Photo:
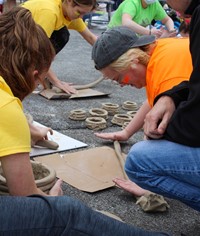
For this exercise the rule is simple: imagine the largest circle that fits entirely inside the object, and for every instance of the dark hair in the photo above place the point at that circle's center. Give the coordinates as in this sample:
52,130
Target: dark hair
24,47
92,3
184,27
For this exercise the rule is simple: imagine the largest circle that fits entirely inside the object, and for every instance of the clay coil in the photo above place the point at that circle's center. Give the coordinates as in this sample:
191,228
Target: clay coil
98,112
96,123
120,119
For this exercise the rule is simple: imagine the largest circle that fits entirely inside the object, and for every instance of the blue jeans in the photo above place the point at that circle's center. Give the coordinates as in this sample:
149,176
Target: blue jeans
166,168
52,216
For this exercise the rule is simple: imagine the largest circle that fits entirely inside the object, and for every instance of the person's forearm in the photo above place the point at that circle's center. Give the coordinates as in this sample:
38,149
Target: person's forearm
52,77
138,120
89,36
136,27
168,22
92,39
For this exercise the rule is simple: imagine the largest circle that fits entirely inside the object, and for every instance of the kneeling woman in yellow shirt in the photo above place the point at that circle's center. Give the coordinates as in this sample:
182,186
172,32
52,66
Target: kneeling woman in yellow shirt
25,57
56,17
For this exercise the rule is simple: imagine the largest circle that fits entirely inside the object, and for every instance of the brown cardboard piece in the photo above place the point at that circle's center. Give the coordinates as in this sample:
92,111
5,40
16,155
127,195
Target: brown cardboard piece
89,170
82,93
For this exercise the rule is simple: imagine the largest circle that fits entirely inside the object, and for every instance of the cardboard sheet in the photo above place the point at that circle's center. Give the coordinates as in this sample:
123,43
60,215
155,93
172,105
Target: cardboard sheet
65,143
82,93
89,170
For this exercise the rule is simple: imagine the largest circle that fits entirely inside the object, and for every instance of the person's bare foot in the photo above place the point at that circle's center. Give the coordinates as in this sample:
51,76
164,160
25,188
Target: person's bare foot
130,187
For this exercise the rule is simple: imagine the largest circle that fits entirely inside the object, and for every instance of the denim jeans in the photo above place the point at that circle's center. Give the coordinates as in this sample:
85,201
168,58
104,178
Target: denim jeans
166,168
49,216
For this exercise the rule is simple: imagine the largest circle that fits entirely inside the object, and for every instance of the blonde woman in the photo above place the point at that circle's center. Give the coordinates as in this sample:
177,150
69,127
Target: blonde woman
123,56
141,62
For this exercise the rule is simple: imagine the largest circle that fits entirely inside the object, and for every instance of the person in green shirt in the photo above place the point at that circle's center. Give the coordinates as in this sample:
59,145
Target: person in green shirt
138,16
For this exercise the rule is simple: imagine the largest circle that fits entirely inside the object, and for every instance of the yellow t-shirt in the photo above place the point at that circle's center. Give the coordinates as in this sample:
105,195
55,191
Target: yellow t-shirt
169,65
14,129
48,14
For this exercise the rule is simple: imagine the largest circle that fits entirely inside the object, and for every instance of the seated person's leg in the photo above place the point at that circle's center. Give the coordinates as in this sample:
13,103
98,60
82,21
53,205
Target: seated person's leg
166,168
44,216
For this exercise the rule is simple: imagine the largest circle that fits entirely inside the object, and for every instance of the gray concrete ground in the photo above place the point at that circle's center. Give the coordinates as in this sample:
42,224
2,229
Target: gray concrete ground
74,64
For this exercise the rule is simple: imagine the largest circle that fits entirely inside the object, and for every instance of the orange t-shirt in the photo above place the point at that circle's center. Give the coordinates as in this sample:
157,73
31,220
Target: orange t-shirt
169,65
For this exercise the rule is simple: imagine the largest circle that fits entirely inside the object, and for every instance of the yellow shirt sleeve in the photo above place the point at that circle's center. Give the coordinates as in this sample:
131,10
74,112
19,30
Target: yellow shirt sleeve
77,25
14,129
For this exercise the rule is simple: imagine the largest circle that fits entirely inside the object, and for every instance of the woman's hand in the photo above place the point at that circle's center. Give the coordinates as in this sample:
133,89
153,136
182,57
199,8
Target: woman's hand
156,32
39,133
158,118
120,135
168,34
66,87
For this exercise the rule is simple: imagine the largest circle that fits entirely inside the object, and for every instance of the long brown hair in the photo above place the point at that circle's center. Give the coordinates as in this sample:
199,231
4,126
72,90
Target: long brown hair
24,47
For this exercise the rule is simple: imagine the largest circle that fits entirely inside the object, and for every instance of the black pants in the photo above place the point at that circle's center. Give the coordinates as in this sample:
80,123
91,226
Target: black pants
59,38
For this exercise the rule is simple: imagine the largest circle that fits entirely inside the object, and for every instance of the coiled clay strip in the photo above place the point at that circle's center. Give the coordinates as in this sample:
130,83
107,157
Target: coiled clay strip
125,124
48,172
131,113
120,157
120,119
48,144
112,108
78,87
44,188
96,123
78,114
131,106
47,187
45,177
90,85
98,112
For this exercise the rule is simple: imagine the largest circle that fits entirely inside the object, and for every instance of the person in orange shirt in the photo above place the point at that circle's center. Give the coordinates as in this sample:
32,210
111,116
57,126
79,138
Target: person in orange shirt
141,62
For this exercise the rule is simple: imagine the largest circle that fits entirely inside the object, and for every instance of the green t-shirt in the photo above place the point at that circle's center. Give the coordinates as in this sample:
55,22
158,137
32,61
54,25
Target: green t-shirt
140,15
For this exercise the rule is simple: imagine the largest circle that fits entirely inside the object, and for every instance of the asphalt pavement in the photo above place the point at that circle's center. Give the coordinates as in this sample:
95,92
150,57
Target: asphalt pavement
73,64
